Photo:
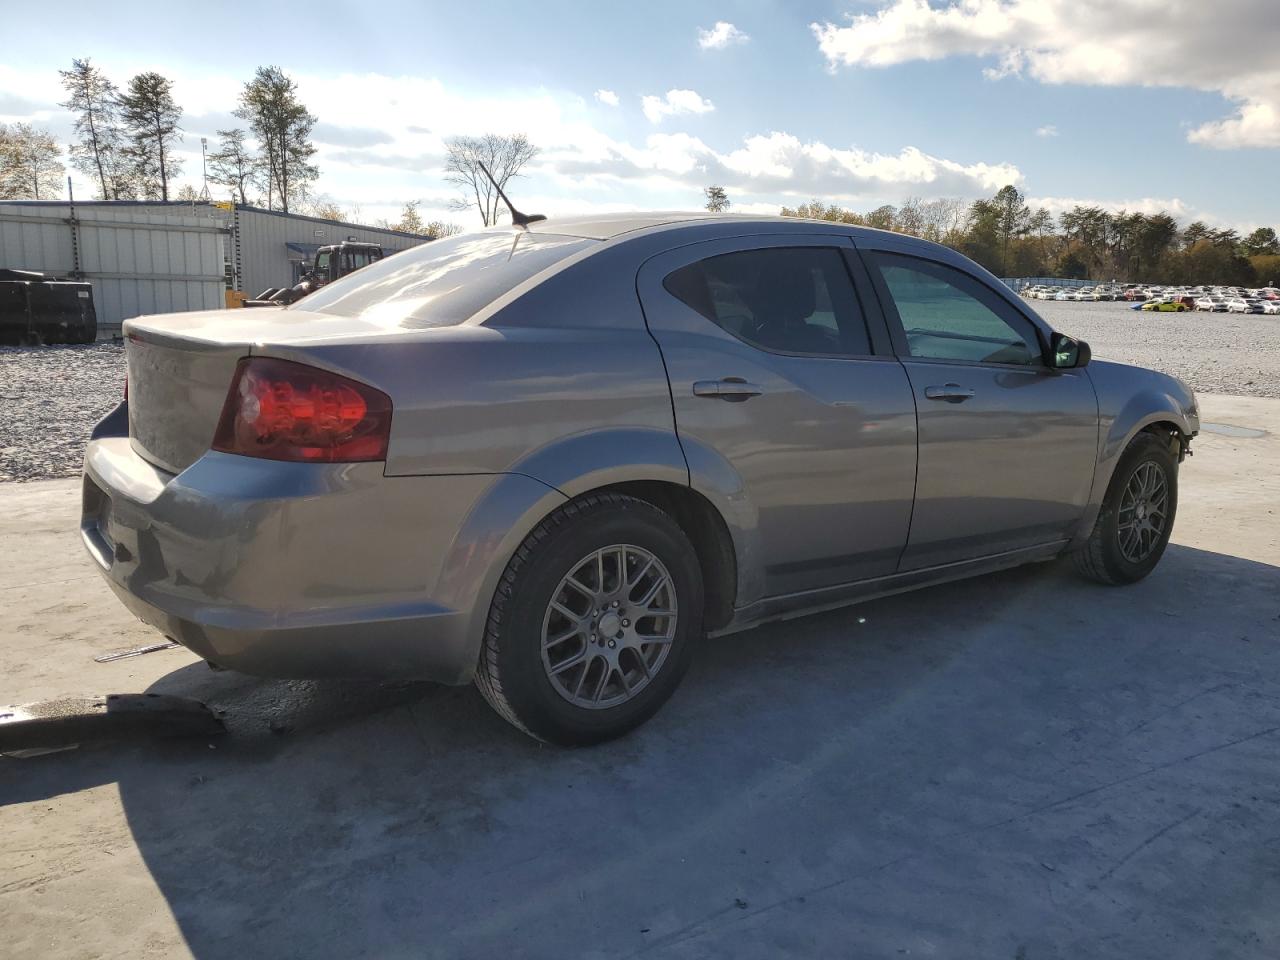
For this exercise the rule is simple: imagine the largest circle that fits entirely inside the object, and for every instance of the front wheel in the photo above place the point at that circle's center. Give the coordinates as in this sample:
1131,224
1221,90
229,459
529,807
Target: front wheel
593,623
1136,518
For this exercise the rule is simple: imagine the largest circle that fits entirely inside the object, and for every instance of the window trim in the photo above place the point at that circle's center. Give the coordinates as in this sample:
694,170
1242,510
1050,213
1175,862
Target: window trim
841,253
991,299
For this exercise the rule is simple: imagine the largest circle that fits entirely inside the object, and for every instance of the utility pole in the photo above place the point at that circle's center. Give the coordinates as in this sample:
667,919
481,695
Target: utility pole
204,168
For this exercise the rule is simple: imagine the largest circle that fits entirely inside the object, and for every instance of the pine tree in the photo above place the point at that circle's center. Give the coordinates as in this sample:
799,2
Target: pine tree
282,126
98,154
150,119
717,200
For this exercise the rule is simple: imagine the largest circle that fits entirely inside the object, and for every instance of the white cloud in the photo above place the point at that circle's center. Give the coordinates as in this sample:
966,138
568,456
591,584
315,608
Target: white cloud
676,102
1048,130
780,164
607,97
1227,47
382,141
722,35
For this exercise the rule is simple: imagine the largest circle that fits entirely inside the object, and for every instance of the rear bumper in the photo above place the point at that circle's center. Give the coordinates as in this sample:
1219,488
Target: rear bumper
287,570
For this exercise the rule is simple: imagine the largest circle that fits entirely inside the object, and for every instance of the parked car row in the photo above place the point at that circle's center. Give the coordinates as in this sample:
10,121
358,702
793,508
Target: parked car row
1100,292
1161,299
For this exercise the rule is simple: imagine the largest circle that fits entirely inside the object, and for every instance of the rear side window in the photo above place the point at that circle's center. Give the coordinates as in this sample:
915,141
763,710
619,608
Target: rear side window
780,299
948,315
442,282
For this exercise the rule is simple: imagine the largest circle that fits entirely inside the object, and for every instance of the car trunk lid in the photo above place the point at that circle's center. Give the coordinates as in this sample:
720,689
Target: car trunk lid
177,387
180,367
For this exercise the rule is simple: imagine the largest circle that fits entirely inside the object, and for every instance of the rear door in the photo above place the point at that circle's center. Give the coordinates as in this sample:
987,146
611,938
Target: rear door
1007,444
772,367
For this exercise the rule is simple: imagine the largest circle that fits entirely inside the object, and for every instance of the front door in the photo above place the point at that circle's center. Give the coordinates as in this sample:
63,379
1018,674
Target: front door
772,369
1007,444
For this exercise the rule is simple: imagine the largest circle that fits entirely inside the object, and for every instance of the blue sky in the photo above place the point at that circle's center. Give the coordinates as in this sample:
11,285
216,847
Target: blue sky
1148,104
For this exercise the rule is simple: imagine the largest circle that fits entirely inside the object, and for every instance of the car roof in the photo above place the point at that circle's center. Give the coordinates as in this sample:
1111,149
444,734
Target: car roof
606,226
620,227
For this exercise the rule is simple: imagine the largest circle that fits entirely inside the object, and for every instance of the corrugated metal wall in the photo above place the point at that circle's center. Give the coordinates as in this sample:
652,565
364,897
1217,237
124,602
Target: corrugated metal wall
139,259
265,260
150,257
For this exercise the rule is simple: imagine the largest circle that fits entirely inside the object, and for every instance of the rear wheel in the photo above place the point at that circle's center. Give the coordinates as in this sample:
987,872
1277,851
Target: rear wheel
1136,519
593,623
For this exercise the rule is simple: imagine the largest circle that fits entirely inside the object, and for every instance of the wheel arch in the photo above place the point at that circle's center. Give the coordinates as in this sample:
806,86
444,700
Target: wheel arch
706,530
644,463
1148,410
693,481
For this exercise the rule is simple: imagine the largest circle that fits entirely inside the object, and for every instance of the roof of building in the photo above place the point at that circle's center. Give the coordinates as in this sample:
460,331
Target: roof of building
174,204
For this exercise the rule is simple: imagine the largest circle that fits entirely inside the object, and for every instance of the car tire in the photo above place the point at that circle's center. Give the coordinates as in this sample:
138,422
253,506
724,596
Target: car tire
1109,555
516,674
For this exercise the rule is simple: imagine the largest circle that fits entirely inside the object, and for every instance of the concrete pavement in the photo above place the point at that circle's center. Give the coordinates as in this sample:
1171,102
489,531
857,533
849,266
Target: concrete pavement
1020,766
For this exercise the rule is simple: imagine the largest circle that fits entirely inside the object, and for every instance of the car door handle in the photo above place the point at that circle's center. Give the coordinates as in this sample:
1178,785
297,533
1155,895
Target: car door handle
950,392
733,389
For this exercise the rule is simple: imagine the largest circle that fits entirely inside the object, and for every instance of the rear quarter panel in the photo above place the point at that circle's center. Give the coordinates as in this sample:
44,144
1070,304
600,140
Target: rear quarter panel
486,399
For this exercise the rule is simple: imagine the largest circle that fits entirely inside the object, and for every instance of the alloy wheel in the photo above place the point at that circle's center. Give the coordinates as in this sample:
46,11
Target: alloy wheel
609,626
1144,512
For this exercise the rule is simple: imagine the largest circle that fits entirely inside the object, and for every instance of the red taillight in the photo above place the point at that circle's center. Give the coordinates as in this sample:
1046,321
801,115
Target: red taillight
281,410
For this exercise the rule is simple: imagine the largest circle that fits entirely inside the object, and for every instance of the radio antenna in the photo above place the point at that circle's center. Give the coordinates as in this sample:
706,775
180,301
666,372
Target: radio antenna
518,219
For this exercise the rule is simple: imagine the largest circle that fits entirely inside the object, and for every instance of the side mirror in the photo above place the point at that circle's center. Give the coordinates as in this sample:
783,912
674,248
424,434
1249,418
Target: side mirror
1066,353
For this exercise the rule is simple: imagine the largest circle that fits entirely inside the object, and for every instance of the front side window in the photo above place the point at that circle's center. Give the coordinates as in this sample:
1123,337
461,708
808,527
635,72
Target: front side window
947,315
780,299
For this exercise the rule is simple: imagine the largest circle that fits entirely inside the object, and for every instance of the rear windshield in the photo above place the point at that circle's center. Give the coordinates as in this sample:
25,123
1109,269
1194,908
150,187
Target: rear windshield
442,282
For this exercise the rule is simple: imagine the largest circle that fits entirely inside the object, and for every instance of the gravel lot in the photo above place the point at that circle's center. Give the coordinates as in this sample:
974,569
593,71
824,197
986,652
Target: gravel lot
52,398
54,395
1231,353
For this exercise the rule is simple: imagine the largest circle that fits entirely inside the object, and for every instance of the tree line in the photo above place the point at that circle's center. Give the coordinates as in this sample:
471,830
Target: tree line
1009,238
124,143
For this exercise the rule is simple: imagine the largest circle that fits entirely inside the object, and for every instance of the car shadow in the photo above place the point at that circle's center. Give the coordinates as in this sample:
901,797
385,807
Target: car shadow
961,765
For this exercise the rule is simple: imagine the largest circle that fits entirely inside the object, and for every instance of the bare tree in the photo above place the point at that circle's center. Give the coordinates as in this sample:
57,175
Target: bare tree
30,164
323,207
504,156
438,229
99,151
910,218
150,118
942,218
233,165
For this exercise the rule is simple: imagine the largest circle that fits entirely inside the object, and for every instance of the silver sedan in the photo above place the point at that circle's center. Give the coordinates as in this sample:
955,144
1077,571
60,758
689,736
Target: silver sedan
550,460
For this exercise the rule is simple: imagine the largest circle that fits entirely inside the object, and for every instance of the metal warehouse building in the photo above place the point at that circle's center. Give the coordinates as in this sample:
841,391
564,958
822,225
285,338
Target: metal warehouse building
154,257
